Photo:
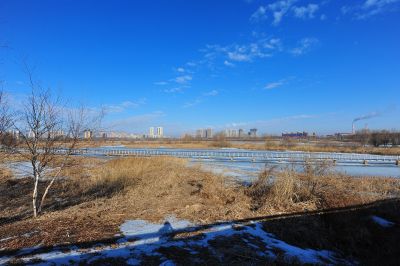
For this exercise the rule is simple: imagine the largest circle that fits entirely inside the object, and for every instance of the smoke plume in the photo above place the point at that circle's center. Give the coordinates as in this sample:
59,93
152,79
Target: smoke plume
368,116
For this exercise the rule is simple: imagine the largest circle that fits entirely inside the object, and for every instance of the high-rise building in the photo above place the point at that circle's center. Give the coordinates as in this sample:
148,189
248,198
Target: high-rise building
160,132
241,133
253,132
199,133
209,133
230,133
151,132
88,134
204,133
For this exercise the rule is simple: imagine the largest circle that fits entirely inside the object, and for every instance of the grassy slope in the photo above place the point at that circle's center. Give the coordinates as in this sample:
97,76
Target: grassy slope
99,197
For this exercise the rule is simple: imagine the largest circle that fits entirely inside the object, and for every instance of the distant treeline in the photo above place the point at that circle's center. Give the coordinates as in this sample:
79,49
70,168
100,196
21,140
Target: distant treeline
377,138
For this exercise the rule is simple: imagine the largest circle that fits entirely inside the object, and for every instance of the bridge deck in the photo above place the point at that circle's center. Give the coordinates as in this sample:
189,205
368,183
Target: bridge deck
252,155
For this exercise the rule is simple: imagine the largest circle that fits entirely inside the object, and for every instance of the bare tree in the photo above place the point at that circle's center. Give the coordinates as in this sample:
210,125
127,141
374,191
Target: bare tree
7,138
49,133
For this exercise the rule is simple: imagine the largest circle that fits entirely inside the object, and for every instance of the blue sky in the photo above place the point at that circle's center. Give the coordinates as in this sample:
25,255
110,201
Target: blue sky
279,66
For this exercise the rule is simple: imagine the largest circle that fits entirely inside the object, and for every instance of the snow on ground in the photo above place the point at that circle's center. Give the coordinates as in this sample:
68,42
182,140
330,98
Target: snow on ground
142,239
20,169
382,222
24,169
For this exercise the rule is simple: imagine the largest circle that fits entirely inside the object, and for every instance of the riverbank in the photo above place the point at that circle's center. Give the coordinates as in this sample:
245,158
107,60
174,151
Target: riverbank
98,197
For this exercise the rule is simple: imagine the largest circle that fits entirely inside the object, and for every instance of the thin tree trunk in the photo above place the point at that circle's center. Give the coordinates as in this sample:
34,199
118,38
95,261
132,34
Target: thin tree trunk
34,196
45,194
50,184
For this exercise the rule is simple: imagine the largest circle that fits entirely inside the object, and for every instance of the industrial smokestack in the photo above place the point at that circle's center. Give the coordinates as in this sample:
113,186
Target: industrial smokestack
364,117
353,131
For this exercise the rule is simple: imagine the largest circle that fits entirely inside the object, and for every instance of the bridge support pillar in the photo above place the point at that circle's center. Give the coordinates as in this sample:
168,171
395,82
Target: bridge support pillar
365,162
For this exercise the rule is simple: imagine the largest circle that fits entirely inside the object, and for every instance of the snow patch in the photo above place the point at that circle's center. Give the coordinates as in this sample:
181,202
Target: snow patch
142,238
382,222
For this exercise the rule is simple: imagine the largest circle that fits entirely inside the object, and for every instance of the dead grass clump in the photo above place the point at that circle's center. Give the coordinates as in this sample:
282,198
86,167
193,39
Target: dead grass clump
261,187
288,190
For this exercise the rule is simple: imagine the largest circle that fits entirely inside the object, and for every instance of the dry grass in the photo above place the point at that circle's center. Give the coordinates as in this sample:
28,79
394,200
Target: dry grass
99,195
316,188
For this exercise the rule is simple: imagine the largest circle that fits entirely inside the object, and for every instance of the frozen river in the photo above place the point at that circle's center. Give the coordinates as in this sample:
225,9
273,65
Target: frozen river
247,170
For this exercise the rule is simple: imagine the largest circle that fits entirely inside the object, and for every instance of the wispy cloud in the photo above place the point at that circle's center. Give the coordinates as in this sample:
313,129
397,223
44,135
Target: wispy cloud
174,90
183,79
228,63
370,8
274,85
211,93
304,46
201,98
161,83
279,9
245,52
118,108
259,14
305,12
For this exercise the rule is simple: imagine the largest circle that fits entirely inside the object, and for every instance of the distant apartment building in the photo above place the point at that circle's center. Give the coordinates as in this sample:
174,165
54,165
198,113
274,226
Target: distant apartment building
160,132
253,133
156,132
88,134
14,133
241,133
151,132
31,134
56,134
205,133
296,135
231,133
200,133
209,133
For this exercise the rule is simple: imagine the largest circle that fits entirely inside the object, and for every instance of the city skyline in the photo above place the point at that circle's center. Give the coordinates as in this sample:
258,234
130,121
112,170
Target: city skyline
279,66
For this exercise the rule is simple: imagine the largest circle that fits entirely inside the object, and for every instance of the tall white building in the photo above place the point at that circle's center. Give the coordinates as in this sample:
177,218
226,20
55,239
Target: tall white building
151,132
160,132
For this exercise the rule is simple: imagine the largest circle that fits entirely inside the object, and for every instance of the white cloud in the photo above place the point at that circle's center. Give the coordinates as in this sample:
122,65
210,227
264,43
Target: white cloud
378,3
369,8
161,83
304,46
174,90
229,64
237,56
201,99
211,93
274,85
180,69
305,12
192,103
247,52
259,14
279,9
121,107
183,79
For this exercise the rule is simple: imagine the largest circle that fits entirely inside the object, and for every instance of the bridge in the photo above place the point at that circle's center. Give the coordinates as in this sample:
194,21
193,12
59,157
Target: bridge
245,155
